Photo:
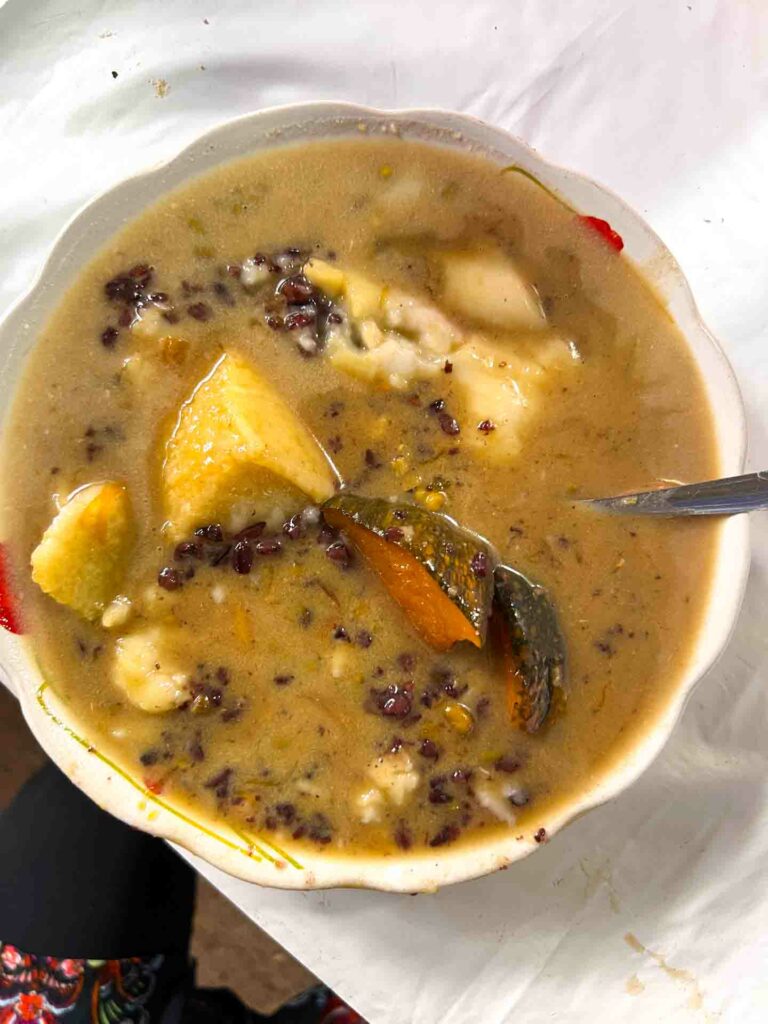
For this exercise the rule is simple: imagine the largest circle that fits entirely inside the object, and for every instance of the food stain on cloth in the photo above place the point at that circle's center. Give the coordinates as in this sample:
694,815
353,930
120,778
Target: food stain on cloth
686,979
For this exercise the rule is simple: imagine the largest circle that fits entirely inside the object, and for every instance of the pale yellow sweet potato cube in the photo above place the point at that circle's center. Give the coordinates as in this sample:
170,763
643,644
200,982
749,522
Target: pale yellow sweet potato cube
487,287
239,453
364,296
325,276
82,556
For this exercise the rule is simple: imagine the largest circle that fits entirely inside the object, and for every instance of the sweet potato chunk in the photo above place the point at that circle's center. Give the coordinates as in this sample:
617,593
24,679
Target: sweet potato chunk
238,452
82,555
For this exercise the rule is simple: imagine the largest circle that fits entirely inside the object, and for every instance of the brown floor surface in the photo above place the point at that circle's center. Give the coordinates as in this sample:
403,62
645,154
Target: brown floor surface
231,951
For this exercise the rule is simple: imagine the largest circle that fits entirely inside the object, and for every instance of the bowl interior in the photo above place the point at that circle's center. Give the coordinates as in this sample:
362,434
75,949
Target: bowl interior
252,857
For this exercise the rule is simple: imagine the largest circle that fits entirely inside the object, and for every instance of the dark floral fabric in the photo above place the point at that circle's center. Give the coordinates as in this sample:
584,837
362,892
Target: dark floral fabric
45,989
137,990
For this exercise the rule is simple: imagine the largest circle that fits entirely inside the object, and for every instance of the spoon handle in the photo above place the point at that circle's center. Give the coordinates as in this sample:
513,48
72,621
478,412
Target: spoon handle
726,497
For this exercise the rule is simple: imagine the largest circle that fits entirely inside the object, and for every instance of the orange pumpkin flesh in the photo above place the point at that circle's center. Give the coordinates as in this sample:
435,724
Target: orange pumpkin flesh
509,668
430,610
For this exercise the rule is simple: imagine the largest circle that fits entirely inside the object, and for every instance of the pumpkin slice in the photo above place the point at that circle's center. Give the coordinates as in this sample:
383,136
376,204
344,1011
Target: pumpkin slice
440,574
238,452
82,556
529,644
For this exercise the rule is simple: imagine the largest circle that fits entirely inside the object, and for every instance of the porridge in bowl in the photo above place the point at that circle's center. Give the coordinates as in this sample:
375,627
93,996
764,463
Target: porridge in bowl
271,455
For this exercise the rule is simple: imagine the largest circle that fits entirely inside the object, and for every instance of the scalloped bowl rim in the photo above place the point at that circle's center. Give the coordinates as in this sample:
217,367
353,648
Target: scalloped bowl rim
255,858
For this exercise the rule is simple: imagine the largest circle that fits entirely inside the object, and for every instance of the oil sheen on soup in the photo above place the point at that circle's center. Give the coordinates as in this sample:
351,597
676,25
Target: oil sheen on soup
268,452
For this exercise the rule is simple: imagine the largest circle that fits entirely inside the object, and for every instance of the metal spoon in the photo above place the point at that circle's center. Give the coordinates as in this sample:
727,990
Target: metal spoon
530,615
727,497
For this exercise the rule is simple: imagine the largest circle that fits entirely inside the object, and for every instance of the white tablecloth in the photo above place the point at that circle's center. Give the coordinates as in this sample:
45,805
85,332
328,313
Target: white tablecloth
667,103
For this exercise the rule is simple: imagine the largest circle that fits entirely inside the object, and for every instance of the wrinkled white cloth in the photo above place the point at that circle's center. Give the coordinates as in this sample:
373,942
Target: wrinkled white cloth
667,103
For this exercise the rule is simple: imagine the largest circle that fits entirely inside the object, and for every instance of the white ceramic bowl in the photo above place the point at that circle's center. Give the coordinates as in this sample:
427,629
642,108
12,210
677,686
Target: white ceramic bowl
67,740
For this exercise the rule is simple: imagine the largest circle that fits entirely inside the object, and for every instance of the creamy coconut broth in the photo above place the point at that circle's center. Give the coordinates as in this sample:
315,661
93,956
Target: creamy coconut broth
432,332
